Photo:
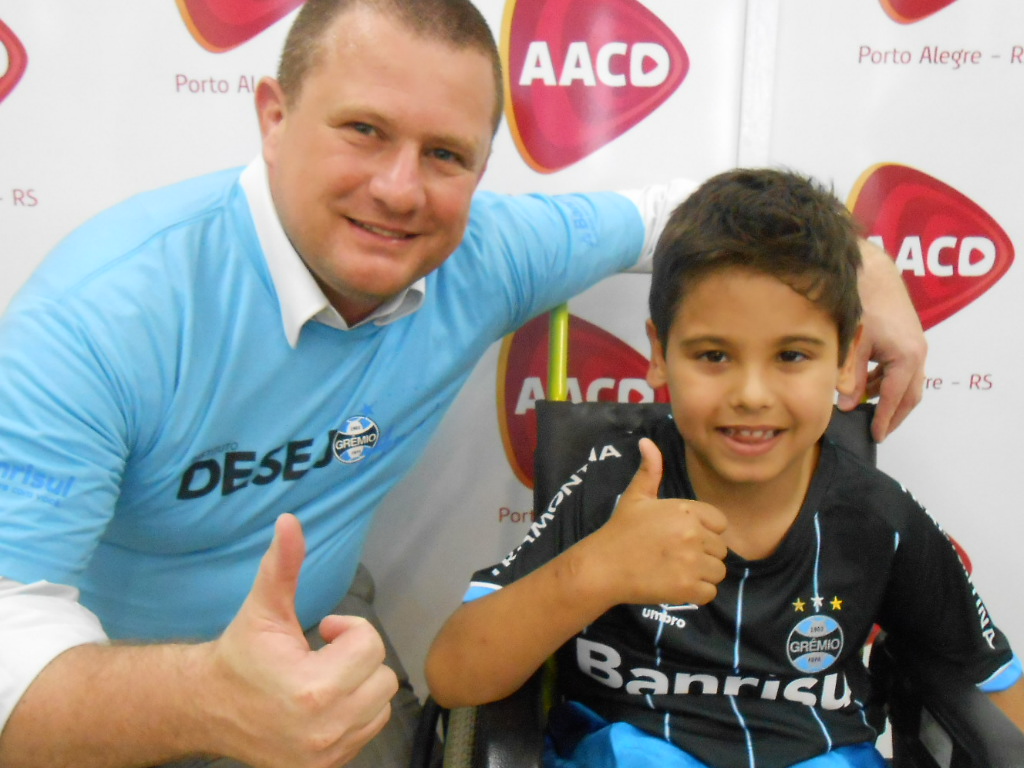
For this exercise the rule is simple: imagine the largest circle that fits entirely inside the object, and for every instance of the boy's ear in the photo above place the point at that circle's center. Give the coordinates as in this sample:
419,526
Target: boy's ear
847,380
657,375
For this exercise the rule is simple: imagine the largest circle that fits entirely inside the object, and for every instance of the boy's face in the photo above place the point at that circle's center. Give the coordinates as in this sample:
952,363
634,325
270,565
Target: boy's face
752,368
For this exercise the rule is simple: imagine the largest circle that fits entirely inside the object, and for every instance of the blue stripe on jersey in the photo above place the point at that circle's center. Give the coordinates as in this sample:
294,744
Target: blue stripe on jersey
478,589
657,645
864,716
817,561
1004,677
736,666
657,661
824,730
746,732
817,607
739,620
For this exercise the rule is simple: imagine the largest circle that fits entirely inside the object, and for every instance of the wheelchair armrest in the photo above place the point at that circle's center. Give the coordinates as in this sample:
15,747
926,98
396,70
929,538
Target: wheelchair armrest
514,729
503,734
941,720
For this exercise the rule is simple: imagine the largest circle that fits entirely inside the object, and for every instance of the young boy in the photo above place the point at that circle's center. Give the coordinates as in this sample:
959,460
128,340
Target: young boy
709,608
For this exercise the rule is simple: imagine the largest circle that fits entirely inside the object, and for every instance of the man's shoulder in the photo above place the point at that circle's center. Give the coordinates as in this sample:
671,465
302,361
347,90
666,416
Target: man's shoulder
146,214
154,223
492,208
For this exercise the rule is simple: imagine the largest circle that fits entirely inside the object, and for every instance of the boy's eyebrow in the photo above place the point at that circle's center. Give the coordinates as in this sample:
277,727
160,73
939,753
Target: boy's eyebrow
689,341
723,341
815,340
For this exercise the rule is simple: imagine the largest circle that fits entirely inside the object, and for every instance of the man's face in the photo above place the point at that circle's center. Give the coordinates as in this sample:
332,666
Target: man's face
373,167
752,368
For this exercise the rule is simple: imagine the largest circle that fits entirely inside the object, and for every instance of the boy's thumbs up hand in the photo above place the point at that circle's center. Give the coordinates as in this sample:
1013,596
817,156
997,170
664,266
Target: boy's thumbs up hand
277,702
661,550
647,480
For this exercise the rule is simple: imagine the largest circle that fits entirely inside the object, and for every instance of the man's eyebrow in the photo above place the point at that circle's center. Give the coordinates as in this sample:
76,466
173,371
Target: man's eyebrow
361,113
464,145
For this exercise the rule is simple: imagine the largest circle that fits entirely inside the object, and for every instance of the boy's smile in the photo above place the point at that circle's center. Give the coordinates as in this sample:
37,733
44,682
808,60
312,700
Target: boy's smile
750,440
752,368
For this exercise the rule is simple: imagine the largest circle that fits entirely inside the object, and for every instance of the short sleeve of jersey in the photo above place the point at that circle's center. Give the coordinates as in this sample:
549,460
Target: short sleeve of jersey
64,444
544,249
84,349
931,605
581,505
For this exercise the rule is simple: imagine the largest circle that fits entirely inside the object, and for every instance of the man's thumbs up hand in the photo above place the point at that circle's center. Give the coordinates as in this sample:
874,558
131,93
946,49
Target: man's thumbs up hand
277,702
271,601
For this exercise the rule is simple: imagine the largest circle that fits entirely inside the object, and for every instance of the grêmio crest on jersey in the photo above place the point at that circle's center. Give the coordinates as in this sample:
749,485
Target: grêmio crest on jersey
357,437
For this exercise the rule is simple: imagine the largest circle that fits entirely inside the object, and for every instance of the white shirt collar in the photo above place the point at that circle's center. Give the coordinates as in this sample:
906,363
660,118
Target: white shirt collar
299,295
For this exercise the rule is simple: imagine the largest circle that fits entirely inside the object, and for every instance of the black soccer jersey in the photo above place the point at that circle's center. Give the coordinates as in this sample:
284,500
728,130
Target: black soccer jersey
771,672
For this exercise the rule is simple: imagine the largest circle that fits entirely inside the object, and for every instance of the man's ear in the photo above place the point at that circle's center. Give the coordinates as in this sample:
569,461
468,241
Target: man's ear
847,379
271,111
657,373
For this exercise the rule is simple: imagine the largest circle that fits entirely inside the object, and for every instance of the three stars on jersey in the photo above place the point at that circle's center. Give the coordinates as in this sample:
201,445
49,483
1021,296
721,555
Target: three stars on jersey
817,601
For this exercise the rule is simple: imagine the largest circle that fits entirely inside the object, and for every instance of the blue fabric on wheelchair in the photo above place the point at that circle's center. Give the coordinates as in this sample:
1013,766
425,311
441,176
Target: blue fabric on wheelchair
580,738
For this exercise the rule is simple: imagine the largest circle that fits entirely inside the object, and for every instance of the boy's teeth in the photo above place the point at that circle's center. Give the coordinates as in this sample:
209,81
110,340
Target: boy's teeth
755,434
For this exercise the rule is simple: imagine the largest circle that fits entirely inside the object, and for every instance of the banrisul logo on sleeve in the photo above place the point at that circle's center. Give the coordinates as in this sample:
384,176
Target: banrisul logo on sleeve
602,367
948,249
220,25
579,74
13,60
909,11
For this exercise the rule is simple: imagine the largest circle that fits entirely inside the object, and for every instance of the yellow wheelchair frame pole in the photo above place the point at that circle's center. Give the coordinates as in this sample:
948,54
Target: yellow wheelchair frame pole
558,353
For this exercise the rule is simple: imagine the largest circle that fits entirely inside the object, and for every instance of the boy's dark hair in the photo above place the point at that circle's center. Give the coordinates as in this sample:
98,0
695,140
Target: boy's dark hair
458,23
775,222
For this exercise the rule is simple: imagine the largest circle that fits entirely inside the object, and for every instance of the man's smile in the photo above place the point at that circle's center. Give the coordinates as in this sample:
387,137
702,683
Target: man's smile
394,234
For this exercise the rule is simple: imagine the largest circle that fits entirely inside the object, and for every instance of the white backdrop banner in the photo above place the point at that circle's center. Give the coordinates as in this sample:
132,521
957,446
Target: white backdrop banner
908,107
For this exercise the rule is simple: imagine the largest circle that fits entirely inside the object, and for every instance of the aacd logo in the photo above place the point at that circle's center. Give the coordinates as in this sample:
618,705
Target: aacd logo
13,60
947,248
602,367
220,25
909,11
579,74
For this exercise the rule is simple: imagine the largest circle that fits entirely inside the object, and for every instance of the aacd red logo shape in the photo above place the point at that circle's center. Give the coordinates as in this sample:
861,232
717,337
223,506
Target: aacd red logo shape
220,25
579,74
17,60
947,248
602,367
909,11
